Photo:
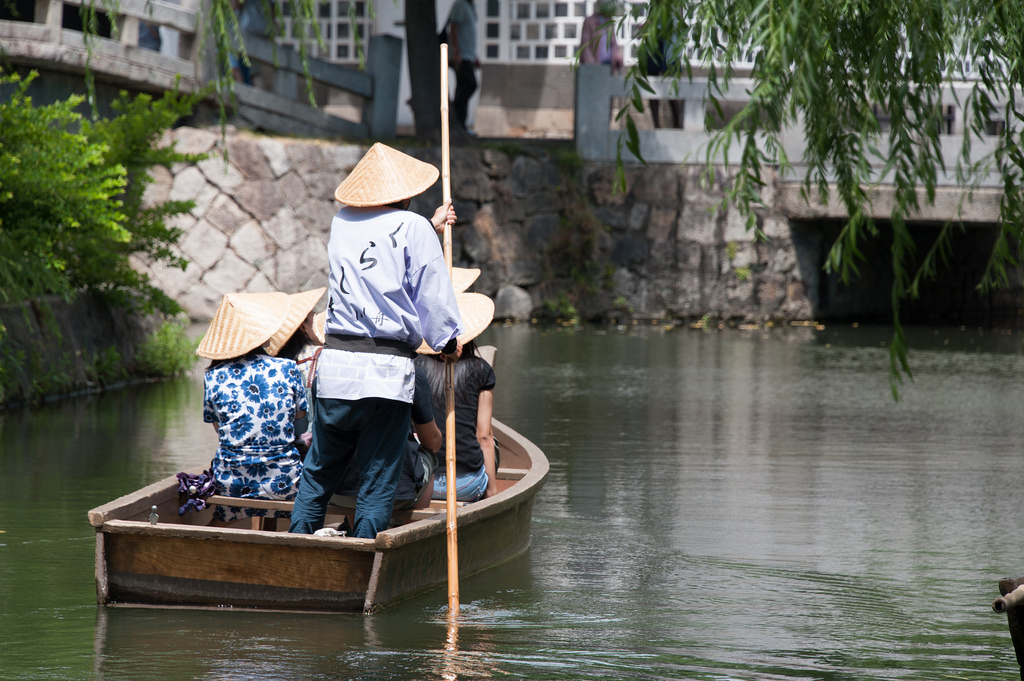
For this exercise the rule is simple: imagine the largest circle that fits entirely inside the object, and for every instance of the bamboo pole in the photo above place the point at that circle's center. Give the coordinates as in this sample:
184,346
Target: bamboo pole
449,363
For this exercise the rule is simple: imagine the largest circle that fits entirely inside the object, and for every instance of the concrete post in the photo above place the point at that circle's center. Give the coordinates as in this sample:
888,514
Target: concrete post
592,119
694,111
50,12
384,63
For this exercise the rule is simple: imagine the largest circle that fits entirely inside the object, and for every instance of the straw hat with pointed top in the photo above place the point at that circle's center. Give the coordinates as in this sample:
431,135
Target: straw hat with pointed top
320,326
384,176
243,322
299,307
477,311
463,277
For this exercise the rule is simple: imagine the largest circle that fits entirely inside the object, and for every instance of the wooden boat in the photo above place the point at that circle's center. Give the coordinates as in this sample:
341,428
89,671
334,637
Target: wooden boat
180,561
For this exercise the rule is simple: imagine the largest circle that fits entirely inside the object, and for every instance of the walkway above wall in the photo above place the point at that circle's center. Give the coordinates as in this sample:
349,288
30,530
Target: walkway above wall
40,40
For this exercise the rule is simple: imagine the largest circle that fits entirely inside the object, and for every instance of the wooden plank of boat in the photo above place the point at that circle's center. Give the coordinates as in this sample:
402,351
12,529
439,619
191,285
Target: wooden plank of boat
183,562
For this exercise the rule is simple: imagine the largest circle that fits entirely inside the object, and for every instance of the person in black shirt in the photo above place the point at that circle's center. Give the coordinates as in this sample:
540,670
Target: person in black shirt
475,459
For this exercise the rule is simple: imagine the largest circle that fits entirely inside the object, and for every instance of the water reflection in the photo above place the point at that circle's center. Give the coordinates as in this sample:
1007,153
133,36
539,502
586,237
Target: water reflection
721,505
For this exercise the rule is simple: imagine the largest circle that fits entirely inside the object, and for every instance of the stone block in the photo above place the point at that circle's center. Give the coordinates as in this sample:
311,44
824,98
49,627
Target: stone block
475,246
229,274
259,284
775,227
736,228
523,273
224,177
497,163
174,281
697,222
662,224
629,251
284,228
546,201
245,155
600,183
623,282
306,158
276,154
225,215
770,291
187,184
469,181
203,200
615,217
341,158
159,189
200,301
315,218
294,266
294,191
659,185
514,303
204,245
252,245
259,198
194,141
783,259
638,215
320,186
492,276
541,230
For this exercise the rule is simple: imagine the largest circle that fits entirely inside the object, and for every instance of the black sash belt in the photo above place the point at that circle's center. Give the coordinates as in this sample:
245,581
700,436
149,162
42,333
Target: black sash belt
376,346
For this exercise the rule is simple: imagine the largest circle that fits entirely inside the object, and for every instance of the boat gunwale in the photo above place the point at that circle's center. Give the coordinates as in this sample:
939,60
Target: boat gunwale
102,517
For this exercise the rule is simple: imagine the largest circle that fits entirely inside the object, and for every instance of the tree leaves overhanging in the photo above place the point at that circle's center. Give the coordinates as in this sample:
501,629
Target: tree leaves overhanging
827,68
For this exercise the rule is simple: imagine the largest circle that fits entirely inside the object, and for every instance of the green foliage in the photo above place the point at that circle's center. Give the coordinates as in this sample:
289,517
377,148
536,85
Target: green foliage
168,352
132,142
575,251
562,309
106,367
825,68
59,202
568,161
71,209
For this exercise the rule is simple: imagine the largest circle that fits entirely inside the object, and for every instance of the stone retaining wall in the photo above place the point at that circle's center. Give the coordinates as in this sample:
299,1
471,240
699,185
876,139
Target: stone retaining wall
540,234
52,348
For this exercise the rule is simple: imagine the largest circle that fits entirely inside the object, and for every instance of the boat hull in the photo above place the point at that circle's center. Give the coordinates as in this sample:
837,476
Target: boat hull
182,564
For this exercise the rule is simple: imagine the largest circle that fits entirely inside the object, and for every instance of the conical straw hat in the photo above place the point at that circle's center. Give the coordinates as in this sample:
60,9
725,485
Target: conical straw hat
243,321
320,326
463,277
477,312
299,306
384,176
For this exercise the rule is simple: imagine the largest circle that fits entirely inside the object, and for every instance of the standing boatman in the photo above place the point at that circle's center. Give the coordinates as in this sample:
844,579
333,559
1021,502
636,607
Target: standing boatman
389,290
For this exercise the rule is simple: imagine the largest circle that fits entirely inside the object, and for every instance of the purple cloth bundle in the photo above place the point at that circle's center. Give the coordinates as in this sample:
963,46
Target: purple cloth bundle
197,487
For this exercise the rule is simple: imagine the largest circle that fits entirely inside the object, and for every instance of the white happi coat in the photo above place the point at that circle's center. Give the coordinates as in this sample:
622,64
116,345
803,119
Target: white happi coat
388,279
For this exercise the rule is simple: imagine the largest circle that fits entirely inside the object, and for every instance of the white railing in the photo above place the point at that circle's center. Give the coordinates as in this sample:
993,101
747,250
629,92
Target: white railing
599,94
281,103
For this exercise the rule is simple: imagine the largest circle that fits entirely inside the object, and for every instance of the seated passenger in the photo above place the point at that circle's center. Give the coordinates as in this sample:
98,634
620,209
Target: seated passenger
475,462
253,398
304,348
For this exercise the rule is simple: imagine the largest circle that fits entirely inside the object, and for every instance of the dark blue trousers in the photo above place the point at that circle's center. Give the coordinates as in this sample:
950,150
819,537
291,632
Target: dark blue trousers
369,434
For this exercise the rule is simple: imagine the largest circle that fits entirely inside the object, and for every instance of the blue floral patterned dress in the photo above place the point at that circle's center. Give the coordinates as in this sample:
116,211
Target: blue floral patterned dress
254,400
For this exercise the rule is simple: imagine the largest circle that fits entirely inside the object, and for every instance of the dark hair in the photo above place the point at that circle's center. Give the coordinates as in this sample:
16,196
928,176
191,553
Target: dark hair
294,345
433,366
252,353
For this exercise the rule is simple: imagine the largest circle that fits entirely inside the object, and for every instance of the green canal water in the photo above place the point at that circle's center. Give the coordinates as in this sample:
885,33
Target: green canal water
721,505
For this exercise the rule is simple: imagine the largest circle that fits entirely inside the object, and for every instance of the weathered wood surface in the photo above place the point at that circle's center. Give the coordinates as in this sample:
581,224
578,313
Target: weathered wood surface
178,563
1014,617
